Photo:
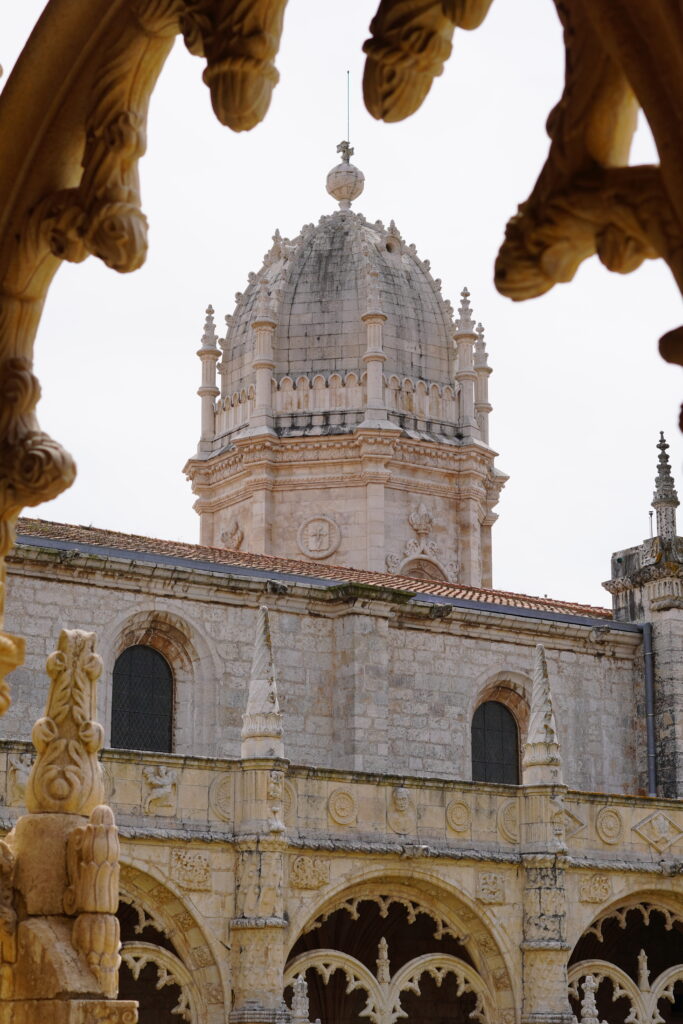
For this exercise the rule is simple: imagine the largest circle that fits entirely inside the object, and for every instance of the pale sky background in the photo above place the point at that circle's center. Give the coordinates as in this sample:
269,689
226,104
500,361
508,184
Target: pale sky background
579,390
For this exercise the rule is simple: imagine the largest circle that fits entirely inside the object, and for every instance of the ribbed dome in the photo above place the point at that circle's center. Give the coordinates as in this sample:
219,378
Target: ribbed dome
318,286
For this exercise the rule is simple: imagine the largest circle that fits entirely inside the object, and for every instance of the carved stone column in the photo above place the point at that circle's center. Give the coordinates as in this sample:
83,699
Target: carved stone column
59,869
545,950
258,946
258,929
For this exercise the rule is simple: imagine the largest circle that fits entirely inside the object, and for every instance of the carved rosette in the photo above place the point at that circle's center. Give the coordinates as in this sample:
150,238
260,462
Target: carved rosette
66,776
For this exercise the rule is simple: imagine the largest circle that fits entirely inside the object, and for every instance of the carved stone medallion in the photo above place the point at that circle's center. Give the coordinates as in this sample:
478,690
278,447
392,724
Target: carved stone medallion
508,821
458,816
341,806
318,537
220,797
401,816
595,889
309,872
608,825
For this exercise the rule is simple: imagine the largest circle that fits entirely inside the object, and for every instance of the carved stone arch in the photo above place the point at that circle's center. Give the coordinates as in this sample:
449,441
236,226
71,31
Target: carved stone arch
633,949
513,689
423,567
191,1006
452,910
156,897
179,641
663,900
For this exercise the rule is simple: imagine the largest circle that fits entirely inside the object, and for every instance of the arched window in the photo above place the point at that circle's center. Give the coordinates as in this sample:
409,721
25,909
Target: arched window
142,701
495,744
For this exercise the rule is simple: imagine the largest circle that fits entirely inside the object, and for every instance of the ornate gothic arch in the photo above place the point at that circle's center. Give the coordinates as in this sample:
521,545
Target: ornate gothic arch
384,990
625,955
452,912
195,969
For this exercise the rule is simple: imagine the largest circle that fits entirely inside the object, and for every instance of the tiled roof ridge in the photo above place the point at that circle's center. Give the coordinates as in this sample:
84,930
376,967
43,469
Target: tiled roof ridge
226,556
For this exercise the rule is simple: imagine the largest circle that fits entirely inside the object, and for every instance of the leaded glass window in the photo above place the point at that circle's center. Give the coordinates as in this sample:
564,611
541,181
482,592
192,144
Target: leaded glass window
142,701
495,744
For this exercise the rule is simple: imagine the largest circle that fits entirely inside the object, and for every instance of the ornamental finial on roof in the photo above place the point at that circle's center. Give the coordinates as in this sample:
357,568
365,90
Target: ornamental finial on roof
209,337
345,182
262,728
665,499
541,762
465,323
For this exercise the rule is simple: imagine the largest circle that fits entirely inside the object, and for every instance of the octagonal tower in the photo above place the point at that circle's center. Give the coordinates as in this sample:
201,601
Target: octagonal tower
351,423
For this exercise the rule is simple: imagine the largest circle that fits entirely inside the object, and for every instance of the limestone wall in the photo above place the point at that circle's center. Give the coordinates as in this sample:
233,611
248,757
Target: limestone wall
365,682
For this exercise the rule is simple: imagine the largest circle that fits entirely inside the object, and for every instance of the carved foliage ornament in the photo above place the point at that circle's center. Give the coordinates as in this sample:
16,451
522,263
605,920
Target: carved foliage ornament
67,776
309,872
92,857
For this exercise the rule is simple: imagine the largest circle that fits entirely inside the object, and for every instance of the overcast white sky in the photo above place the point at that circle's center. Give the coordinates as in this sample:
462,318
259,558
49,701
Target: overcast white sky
579,390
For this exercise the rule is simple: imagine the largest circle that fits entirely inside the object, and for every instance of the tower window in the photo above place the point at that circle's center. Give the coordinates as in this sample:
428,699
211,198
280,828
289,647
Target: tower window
142,701
495,744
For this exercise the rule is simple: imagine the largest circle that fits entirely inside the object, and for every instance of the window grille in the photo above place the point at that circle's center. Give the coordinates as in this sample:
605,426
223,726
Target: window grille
495,744
142,701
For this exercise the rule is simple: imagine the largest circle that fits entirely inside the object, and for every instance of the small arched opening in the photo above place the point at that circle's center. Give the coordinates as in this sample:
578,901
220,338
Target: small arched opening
495,744
142,701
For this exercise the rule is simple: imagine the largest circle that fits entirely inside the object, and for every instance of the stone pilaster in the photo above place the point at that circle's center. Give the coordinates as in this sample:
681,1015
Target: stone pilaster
545,950
263,364
466,375
361,690
258,928
482,406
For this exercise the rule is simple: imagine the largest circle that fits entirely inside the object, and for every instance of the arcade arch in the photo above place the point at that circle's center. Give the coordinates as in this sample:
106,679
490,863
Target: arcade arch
387,944
628,964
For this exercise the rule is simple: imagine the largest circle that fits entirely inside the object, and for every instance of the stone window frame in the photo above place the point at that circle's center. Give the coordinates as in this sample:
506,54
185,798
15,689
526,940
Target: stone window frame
169,635
513,691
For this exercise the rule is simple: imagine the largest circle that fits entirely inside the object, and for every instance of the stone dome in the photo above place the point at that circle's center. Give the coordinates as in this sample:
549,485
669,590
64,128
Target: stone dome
318,286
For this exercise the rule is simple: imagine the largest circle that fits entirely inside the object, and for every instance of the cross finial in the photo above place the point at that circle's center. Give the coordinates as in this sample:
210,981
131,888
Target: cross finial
346,150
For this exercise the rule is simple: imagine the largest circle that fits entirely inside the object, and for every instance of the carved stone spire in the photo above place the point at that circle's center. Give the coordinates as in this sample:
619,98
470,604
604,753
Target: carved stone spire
665,500
465,322
589,1009
541,764
262,729
209,337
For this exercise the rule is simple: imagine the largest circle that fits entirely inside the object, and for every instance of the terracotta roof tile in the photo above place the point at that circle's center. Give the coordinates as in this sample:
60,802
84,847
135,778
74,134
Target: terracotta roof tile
128,542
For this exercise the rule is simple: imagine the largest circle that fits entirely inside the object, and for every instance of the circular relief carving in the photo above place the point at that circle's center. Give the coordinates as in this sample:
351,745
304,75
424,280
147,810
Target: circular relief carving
318,537
458,816
508,821
220,797
289,804
341,806
609,825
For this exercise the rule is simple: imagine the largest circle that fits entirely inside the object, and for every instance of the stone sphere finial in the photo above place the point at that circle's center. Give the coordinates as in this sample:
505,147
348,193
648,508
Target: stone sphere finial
345,182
